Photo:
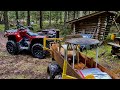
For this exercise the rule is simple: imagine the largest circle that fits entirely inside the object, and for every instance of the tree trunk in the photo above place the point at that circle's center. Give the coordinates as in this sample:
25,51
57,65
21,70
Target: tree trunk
74,15
65,18
68,15
60,17
81,13
84,13
50,18
28,18
16,14
77,12
88,12
1,16
40,19
6,20
57,17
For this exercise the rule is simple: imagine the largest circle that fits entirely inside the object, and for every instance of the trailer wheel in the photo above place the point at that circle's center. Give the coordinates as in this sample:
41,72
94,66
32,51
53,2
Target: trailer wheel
53,69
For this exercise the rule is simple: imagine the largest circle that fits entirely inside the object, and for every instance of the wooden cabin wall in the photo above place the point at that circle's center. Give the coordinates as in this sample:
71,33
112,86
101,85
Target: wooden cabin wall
86,27
104,27
109,20
99,27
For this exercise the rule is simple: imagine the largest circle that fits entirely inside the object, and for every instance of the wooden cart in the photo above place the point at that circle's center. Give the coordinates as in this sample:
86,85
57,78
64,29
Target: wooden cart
73,70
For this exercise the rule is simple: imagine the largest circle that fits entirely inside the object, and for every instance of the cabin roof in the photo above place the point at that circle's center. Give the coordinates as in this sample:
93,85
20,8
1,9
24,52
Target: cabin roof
93,15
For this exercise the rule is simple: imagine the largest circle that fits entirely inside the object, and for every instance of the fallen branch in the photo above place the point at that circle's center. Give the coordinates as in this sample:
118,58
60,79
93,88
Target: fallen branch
102,54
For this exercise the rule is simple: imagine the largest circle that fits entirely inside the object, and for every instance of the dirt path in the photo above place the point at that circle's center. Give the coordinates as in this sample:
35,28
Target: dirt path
21,66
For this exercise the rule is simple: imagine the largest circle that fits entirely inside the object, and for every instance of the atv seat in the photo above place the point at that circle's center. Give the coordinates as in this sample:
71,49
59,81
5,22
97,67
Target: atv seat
32,34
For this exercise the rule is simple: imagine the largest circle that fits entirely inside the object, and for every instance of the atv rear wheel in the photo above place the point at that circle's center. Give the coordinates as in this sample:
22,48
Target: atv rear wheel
37,51
12,47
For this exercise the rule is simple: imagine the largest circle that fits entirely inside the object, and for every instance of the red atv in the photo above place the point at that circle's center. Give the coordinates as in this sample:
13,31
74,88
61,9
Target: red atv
23,39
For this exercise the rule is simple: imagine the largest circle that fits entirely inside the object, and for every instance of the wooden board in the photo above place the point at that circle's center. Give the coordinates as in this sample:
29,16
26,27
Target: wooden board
60,60
114,44
90,63
80,66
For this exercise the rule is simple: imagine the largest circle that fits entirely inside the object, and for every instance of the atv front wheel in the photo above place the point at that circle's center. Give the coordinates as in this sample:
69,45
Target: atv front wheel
12,47
37,51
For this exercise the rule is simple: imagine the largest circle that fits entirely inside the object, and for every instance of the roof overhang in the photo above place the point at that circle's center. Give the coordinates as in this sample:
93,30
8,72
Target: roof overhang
93,15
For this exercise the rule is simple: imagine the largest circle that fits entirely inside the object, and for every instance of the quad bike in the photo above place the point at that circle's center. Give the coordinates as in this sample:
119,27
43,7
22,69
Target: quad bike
23,39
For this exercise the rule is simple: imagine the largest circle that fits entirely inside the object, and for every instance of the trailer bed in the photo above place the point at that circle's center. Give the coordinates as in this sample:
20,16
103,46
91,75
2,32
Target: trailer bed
90,63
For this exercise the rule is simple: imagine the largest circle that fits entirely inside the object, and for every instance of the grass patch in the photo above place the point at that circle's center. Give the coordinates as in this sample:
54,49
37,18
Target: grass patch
107,56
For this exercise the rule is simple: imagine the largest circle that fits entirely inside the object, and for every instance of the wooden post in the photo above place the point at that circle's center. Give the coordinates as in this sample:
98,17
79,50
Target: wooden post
98,28
73,55
96,56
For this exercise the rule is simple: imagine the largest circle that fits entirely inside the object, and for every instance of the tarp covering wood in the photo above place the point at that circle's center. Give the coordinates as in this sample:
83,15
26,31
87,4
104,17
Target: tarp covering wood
83,41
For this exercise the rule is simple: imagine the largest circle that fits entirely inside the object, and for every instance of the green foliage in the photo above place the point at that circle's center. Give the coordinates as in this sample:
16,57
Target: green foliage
22,14
118,35
35,27
104,48
108,38
2,27
11,15
65,32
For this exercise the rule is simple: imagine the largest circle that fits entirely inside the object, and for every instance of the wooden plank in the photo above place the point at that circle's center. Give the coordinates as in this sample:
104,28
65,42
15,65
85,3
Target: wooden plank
91,63
81,26
117,37
60,60
114,44
80,66
73,36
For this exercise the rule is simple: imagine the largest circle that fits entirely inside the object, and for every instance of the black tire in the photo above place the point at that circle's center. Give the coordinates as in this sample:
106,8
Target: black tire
53,69
37,51
12,47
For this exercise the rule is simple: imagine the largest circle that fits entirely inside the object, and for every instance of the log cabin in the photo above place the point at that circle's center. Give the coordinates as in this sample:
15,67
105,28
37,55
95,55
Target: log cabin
96,24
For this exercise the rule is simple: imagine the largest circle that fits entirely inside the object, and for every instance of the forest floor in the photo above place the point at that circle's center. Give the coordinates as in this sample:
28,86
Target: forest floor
24,66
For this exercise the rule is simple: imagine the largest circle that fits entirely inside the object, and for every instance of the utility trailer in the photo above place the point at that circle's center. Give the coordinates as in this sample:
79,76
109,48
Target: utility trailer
75,65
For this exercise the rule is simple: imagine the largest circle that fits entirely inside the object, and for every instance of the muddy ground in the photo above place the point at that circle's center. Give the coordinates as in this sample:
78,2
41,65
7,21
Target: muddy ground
24,66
